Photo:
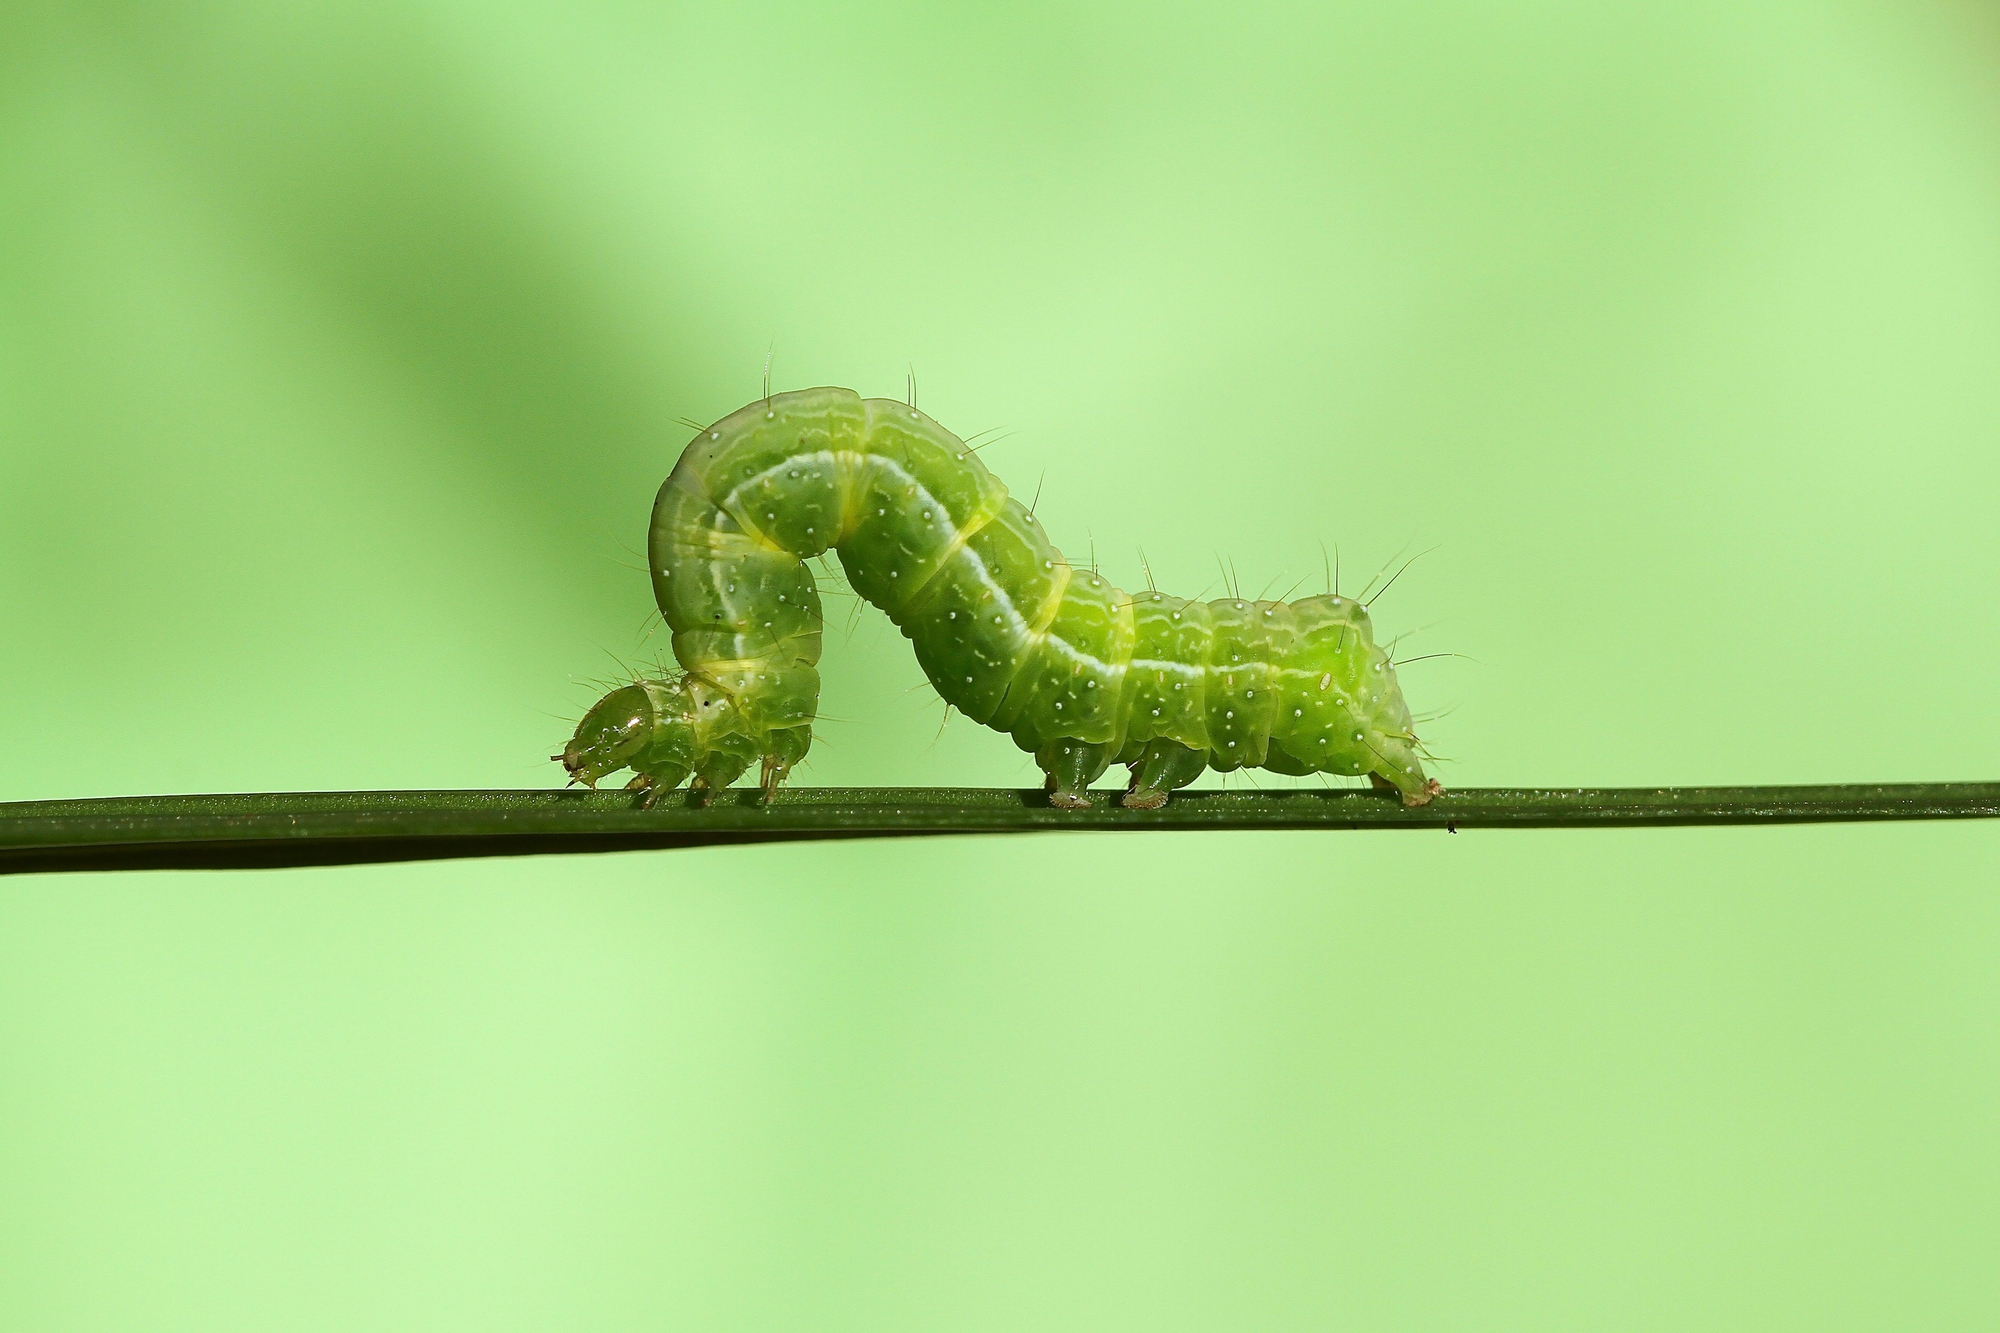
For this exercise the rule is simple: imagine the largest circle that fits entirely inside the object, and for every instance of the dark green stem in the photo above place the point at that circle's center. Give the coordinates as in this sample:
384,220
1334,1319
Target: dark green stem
265,829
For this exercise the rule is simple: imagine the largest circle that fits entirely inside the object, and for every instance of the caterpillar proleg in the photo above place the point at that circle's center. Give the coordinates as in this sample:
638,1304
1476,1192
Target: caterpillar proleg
1079,673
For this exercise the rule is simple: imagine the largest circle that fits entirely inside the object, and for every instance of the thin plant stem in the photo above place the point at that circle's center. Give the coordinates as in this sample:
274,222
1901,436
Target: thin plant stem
270,829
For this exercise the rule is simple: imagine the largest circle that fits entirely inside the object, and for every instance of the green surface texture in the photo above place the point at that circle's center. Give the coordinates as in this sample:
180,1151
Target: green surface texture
342,349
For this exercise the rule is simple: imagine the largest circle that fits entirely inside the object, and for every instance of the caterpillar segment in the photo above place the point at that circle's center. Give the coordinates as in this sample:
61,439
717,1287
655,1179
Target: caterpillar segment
1079,673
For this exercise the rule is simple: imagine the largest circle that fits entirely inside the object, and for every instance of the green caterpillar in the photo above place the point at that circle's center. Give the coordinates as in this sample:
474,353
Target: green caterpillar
1079,673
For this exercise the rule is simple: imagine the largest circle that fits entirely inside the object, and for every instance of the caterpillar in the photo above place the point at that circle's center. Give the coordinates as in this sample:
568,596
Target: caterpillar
1079,673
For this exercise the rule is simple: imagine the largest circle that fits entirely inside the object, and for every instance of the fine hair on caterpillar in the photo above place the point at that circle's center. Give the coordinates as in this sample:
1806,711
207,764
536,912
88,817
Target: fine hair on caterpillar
1081,674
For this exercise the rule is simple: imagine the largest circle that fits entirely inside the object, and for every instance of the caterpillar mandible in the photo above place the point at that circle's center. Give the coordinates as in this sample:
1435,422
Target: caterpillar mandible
1080,674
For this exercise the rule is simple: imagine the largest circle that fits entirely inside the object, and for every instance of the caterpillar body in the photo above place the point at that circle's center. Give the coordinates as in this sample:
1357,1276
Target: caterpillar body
1079,673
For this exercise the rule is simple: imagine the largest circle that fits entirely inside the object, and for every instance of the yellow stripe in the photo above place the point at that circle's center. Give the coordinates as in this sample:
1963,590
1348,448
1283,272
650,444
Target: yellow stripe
965,534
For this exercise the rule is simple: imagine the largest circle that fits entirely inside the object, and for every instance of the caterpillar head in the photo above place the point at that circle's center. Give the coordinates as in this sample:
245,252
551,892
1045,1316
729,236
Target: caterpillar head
644,725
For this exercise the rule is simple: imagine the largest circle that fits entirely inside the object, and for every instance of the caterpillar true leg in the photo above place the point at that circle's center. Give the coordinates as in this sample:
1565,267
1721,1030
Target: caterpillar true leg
728,758
1078,672
788,746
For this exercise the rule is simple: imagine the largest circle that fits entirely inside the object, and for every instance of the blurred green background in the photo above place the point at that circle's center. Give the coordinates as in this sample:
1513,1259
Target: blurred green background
341,349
